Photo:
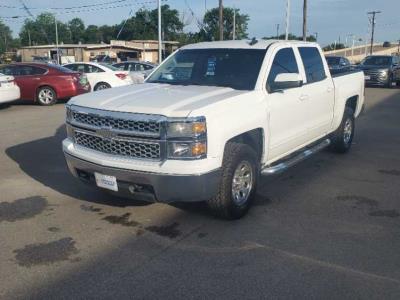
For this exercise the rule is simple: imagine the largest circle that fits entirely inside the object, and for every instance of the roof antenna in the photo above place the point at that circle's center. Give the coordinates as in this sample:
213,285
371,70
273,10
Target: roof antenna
253,41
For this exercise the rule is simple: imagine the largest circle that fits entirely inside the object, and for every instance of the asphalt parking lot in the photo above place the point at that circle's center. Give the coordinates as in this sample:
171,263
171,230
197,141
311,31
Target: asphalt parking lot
328,228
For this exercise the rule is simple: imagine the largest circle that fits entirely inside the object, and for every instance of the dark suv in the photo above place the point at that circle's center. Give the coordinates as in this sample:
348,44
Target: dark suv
381,70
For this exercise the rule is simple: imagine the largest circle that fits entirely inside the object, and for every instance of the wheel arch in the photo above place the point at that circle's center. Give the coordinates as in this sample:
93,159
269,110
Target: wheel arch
254,138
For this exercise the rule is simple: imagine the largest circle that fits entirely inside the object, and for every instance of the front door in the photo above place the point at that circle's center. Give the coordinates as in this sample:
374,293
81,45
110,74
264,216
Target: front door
287,109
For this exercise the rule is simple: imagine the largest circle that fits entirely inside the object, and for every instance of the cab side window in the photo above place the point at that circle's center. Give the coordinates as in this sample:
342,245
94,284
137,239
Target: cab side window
313,64
284,62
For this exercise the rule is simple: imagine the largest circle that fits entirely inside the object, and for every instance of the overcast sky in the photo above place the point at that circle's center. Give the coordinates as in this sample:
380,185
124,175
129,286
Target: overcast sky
330,18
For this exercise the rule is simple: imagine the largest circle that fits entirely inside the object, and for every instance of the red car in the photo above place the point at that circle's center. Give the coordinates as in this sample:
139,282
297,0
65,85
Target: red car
45,83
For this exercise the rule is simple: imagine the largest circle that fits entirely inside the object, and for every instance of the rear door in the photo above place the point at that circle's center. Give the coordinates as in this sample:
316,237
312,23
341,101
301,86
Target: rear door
318,92
287,111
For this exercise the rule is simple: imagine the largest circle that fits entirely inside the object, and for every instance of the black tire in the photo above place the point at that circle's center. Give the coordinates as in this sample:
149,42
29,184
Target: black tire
46,96
341,139
101,86
224,205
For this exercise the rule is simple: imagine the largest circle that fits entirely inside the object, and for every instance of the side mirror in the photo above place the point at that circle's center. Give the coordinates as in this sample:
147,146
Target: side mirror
287,81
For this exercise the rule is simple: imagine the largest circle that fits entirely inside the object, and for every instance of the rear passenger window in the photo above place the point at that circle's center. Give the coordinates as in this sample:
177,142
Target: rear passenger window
284,62
313,64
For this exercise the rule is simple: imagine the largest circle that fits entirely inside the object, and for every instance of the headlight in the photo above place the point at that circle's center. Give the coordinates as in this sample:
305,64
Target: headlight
187,138
187,150
191,128
384,73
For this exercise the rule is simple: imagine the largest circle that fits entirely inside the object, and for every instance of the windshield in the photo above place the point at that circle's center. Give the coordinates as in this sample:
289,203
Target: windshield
235,68
112,68
332,61
377,61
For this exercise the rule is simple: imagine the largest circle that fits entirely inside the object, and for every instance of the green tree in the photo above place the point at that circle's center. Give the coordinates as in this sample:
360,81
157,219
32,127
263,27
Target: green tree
6,39
144,25
42,31
92,35
77,30
211,24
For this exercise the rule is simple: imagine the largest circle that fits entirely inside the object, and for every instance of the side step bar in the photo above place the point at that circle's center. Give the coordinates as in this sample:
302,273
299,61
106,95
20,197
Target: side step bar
283,166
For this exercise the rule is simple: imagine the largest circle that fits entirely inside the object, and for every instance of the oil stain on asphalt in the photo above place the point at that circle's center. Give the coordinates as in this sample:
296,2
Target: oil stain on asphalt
46,253
390,213
121,220
390,172
20,209
359,200
169,231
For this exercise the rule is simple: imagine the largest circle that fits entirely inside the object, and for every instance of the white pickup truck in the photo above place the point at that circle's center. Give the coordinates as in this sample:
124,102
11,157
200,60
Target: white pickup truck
210,120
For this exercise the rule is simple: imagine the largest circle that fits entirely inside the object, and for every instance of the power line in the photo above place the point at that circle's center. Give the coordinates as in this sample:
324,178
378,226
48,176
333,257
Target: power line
62,8
84,10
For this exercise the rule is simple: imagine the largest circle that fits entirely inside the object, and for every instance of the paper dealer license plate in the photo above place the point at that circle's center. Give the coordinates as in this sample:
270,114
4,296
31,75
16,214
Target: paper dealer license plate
106,181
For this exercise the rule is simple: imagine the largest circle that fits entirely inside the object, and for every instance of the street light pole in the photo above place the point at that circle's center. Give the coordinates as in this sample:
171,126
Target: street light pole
277,31
304,20
287,19
159,33
221,21
234,24
57,55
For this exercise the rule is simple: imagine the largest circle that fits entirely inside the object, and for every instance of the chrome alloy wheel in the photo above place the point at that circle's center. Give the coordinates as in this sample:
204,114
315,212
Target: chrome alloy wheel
46,96
347,131
242,183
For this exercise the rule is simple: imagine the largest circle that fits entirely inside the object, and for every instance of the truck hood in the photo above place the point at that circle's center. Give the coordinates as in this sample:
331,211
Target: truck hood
155,98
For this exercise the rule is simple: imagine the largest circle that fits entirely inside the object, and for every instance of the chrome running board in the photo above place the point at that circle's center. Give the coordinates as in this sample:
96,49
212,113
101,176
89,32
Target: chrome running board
286,164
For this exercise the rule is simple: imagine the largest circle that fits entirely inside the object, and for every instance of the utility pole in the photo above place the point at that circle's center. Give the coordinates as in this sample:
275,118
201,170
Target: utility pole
373,13
29,37
398,47
277,31
159,33
221,21
316,36
287,19
234,24
304,20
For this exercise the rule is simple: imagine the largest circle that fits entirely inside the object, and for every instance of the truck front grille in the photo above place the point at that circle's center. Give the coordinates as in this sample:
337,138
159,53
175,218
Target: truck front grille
145,127
122,147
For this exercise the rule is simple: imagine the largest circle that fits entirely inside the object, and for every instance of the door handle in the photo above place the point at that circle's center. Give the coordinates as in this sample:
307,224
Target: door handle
329,89
303,97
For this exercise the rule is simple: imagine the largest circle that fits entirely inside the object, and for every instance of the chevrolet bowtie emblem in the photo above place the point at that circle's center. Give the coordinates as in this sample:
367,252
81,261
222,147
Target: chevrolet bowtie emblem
106,133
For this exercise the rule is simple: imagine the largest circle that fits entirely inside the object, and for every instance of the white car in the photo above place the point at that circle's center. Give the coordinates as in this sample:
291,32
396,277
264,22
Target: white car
101,76
210,120
138,70
9,91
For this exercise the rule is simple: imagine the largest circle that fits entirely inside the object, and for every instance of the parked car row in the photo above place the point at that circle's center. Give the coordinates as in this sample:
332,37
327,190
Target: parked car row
45,83
379,70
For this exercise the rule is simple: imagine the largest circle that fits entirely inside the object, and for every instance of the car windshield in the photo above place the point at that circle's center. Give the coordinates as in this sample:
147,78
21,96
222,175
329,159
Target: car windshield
332,61
377,61
112,68
234,68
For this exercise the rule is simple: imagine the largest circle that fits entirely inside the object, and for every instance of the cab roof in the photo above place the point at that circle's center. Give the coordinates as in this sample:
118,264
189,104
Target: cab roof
242,44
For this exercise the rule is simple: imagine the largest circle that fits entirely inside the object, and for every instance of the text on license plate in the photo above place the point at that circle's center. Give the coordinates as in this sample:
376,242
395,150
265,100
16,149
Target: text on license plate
106,181
367,77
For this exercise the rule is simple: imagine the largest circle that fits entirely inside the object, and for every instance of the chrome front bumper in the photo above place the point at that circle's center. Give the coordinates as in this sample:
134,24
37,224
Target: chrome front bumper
151,187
